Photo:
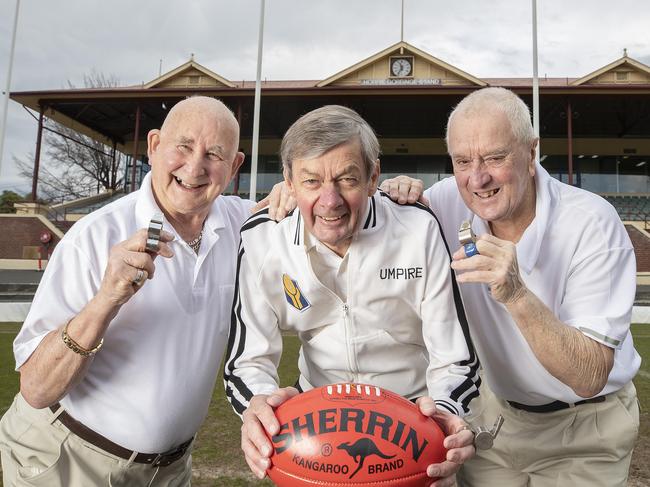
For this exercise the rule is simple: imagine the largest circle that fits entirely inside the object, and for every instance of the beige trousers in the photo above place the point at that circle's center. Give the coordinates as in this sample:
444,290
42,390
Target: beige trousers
38,451
589,445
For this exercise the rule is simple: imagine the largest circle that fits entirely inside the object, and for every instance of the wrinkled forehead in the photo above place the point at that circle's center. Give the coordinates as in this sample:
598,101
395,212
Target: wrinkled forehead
486,128
343,158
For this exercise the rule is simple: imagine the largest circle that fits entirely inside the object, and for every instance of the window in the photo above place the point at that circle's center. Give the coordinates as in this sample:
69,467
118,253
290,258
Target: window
622,75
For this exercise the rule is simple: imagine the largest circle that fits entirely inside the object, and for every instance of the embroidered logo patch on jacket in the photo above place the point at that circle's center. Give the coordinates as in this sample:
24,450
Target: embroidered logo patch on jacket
293,294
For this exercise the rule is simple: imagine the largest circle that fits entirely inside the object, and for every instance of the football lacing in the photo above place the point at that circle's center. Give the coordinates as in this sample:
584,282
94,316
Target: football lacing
361,389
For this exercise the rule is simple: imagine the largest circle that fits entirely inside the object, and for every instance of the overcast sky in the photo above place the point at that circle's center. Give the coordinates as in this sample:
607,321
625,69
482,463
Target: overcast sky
60,41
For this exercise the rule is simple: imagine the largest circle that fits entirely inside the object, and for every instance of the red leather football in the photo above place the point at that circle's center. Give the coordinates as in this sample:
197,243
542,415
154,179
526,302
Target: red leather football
353,434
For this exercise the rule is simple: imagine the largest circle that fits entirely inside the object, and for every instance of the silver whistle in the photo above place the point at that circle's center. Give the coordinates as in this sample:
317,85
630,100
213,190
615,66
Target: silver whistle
467,238
484,436
153,232
465,233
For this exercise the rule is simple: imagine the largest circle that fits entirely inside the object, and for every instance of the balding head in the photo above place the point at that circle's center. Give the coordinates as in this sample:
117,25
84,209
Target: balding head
206,106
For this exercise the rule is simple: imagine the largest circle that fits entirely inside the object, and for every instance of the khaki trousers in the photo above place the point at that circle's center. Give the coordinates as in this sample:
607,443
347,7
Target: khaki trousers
589,445
37,451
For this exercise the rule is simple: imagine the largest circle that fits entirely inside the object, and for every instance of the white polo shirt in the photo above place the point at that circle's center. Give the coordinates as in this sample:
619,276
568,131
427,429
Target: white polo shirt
149,387
578,259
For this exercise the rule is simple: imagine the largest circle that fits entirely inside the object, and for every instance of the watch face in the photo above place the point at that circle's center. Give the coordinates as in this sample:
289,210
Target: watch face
401,67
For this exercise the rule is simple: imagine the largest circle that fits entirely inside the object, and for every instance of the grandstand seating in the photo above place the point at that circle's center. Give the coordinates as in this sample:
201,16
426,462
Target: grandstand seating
631,207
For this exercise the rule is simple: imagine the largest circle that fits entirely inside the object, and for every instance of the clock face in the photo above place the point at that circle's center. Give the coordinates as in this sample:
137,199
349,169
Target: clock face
401,67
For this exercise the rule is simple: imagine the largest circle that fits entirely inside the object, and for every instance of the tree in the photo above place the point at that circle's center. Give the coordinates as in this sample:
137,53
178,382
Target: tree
7,200
74,165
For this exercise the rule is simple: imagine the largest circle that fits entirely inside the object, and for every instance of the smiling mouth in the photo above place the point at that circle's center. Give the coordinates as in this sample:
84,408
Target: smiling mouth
331,218
487,194
187,185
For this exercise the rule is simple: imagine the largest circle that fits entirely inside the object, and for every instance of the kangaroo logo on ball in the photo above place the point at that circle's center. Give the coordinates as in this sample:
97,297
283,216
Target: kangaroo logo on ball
360,449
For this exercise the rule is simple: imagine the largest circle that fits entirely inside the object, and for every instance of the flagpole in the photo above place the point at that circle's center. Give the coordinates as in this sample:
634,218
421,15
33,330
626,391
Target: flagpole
5,101
401,37
256,107
535,83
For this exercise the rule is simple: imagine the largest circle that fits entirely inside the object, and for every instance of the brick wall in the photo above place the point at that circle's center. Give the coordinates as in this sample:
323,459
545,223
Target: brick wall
19,232
641,248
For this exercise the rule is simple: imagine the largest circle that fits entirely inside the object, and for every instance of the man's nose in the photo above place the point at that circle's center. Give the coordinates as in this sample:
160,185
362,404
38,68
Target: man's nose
330,197
195,164
479,175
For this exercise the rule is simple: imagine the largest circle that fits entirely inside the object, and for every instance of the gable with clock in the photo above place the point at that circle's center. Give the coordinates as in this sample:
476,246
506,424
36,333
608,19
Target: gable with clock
396,65
401,66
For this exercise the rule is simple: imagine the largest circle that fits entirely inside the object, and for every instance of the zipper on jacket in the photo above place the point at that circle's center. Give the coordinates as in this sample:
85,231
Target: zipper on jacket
348,348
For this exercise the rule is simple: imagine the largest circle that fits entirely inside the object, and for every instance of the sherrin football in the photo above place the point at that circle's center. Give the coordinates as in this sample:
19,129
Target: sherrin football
353,435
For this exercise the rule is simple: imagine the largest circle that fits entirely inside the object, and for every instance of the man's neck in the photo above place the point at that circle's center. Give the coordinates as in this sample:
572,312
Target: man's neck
514,227
187,226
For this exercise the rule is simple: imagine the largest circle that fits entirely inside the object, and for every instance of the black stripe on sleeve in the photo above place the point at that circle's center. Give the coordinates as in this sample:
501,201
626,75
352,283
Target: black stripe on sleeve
446,405
231,380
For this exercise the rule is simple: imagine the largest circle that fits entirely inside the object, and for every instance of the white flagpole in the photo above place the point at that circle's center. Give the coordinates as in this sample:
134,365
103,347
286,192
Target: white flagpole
256,108
401,37
5,101
535,82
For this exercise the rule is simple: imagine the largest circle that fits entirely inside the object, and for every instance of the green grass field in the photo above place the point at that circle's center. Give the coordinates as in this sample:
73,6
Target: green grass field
8,377
217,457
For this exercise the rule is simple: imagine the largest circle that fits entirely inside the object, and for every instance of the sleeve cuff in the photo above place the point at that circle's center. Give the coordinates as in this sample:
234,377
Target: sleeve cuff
23,351
447,406
600,329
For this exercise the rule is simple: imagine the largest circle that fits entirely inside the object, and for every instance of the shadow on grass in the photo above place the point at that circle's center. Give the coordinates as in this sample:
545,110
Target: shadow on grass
217,458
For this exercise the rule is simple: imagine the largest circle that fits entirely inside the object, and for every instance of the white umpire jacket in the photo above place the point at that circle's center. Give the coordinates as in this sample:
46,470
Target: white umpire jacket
402,327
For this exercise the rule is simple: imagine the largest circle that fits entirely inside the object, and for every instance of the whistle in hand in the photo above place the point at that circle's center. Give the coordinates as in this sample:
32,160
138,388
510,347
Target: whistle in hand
153,233
467,238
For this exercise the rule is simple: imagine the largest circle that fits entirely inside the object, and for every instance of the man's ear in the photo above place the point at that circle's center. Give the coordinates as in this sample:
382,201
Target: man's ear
236,164
374,178
533,152
153,140
288,182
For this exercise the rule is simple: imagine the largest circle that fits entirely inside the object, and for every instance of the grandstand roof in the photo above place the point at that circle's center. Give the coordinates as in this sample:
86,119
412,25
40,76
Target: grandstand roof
107,114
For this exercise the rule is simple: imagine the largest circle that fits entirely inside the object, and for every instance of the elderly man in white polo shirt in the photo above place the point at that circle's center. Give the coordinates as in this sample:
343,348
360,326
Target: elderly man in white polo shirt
548,297
117,371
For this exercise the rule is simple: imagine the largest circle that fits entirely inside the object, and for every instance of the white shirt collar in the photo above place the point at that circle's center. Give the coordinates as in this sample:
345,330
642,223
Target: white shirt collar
528,247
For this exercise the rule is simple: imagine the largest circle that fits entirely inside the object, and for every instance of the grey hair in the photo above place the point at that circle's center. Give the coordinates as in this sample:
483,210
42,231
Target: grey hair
513,107
325,128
